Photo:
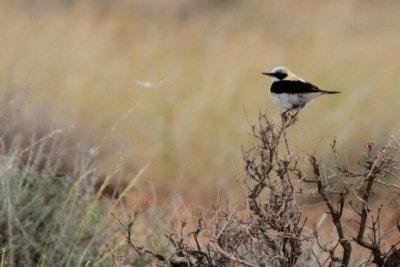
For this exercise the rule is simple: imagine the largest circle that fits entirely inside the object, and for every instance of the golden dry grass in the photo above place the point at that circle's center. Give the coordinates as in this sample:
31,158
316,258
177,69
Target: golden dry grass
85,65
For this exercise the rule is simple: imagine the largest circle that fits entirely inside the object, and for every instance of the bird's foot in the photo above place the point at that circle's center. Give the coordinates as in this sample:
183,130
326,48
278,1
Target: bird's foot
285,113
288,116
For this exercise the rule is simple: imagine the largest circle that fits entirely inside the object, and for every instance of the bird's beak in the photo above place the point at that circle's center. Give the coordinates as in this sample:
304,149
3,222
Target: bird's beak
269,74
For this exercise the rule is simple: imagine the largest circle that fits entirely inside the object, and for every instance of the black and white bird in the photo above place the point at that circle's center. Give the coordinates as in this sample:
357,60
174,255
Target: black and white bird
290,92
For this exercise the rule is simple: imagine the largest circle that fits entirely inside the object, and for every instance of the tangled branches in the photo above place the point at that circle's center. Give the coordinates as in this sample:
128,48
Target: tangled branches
359,192
271,191
272,229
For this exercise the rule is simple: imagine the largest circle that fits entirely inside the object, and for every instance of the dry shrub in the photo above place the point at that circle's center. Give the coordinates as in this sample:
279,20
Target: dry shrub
272,230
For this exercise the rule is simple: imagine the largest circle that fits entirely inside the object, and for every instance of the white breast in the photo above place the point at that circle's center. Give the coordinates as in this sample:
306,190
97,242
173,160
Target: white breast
293,101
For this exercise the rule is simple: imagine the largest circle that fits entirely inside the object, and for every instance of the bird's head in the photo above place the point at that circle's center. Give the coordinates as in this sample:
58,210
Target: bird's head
281,73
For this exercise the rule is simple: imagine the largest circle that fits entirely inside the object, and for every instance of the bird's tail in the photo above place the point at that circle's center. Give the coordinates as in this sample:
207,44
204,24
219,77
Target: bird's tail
330,92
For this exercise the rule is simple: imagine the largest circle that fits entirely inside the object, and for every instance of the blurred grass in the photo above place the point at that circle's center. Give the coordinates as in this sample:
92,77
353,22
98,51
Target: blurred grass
47,221
88,64
54,213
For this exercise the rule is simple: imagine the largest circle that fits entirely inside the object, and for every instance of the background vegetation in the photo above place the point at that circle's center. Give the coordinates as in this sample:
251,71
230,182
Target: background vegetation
88,63
166,89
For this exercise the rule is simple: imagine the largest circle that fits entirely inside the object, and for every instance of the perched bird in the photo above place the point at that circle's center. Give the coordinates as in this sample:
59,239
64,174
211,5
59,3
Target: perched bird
291,92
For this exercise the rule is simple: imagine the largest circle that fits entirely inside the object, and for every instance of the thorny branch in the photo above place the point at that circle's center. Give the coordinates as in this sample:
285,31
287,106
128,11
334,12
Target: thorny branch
270,231
375,167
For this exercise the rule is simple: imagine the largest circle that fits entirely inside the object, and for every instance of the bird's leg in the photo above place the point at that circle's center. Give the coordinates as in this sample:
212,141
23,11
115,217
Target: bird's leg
287,112
284,114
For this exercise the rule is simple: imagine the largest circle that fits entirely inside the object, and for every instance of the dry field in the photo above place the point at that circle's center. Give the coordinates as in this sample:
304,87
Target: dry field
168,89
174,84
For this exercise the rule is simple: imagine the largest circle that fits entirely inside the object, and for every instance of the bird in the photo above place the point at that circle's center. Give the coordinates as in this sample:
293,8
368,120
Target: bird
290,92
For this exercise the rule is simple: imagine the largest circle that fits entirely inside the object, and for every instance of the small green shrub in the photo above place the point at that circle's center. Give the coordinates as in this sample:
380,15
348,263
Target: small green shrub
47,219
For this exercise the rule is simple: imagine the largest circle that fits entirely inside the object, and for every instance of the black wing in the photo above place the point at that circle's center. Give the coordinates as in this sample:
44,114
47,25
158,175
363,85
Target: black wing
294,87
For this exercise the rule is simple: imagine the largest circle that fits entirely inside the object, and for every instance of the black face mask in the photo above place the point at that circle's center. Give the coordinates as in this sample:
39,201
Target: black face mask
280,75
